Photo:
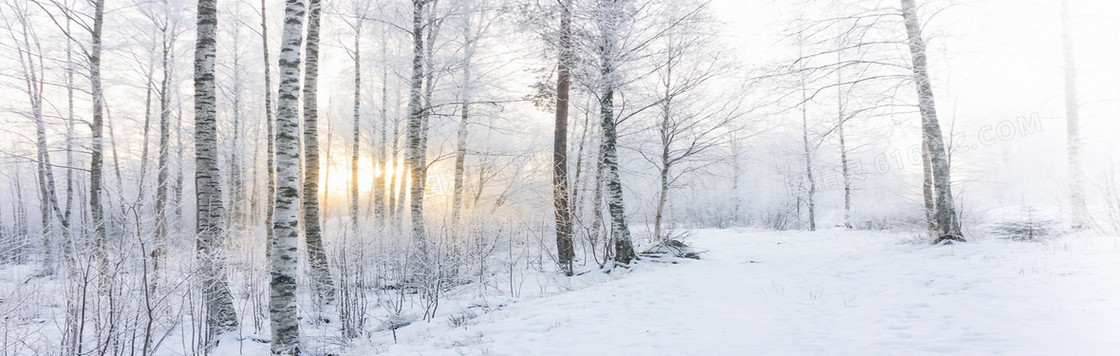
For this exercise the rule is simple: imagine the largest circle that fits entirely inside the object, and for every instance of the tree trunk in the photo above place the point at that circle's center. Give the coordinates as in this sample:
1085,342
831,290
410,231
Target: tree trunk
162,161
576,182
844,169
220,314
623,247
396,184
597,200
31,64
948,224
282,295
68,241
180,174
236,186
927,189
415,126
317,257
113,148
808,159
565,250
146,133
1080,214
460,158
736,176
96,164
461,136
357,138
270,205
666,132
382,158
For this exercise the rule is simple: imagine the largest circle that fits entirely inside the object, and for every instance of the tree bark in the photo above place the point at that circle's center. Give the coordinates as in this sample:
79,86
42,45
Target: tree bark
927,189
30,55
948,224
623,247
415,142
665,159
96,163
357,137
565,250
68,240
162,161
317,257
282,289
237,187
180,174
270,162
220,314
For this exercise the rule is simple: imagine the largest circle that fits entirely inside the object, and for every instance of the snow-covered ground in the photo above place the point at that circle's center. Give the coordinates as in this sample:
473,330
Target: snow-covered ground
823,293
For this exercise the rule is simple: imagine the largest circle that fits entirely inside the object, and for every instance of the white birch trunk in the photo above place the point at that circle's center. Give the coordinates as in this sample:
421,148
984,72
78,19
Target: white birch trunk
317,257
220,314
623,247
163,156
415,144
947,221
270,124
357,138
283,312
96,164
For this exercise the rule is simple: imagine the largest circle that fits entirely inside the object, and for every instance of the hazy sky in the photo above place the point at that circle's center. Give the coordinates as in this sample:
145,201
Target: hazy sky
993,61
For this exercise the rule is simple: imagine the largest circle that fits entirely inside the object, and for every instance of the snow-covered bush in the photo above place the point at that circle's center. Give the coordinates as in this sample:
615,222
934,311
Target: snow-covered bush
671,248
779,218
1030,225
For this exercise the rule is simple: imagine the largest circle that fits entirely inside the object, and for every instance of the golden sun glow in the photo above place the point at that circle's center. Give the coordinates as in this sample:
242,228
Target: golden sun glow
334,181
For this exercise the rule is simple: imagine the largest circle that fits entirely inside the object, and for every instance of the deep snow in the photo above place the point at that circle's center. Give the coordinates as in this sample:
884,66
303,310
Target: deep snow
824,293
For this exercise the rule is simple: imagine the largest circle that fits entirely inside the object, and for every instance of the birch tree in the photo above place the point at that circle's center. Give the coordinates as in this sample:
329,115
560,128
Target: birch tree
168,35
609,22
380,188
356,55
857,45
218,302
689,120
283,312
947,221
317,256
414,139
237,201
97,125
270,124
29,51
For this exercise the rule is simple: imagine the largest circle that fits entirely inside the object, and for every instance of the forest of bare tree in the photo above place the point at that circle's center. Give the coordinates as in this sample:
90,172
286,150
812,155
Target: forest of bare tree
319,177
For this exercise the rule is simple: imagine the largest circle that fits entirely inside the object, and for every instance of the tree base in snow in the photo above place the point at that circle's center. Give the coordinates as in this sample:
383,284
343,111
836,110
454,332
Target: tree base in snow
949,239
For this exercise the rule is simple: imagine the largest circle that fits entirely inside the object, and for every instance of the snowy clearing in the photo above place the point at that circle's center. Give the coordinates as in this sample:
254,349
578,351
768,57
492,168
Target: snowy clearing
829,292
